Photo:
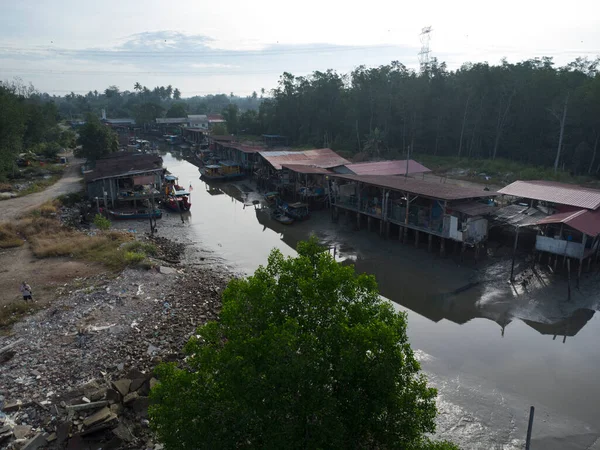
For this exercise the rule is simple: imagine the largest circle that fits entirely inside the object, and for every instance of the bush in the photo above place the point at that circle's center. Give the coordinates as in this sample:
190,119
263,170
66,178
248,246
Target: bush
101,222
132,258
8,235
71,199
146,248
305,355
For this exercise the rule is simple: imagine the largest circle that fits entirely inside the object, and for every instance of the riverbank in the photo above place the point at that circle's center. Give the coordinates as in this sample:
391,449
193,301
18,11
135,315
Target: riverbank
108,328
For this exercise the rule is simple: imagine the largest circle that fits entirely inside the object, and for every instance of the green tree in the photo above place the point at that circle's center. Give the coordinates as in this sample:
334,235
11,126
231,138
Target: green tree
147,113
219,129
178,109
231,115
176,94
96,139
305,355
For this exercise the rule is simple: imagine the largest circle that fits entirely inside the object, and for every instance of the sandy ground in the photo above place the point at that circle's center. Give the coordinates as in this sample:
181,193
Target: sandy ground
18,264
43,275
70,182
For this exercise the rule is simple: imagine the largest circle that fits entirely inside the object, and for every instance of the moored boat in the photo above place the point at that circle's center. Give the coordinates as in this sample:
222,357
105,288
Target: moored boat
224,170
297,211
135,214
281,217
176,197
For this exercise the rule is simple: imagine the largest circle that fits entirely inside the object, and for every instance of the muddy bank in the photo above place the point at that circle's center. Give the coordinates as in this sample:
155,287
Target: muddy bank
99,333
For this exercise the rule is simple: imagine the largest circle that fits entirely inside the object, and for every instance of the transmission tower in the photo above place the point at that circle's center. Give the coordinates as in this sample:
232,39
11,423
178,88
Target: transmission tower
425,37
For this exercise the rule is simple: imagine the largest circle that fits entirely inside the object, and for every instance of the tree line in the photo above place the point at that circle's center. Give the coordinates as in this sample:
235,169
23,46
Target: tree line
28,124
145,105
530,111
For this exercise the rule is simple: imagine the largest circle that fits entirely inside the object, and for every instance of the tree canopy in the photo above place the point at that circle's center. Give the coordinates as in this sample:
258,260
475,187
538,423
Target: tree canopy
28,123
96,139
305,355
516,111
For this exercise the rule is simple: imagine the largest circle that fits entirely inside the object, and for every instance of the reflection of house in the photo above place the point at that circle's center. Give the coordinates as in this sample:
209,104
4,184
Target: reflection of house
442,210
568,326
567,217
396,167
127,177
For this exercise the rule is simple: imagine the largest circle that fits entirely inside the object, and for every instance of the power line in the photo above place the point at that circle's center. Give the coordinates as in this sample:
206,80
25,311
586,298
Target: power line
205,53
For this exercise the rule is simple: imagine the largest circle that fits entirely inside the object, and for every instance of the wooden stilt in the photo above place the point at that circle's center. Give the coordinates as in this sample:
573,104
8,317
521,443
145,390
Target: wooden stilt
429,243
569,279
512,266
387,230
381,227
589,263
405,240
556,262
358,220
369,222
443,247
416,238
462,251
579,270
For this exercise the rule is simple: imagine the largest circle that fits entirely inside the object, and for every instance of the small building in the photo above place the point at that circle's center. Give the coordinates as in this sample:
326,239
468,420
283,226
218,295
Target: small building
198,121
214,119
446,211
274,140
395,167
125,177
271,165
194,136
243,154
567,217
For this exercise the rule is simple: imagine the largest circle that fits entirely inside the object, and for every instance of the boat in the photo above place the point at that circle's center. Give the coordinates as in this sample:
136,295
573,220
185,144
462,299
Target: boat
297,211
135,214
176,197
271,197
224,170
281,217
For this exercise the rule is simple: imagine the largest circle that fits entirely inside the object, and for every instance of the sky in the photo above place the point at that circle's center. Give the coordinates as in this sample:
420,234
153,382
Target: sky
241,46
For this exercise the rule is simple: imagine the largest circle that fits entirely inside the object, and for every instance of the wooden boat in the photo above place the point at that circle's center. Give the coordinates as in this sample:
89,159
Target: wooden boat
137,214
281,217
225,170
176,197
297,211
271,197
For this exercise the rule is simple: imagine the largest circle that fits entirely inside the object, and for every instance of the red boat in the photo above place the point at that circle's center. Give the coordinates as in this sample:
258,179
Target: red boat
176,197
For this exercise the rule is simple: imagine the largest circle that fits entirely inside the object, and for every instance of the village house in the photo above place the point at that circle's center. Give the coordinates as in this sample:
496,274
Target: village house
125,177
445,211
566,218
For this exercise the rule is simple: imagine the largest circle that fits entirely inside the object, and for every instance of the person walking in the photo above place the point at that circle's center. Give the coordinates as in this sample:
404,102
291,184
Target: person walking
26,291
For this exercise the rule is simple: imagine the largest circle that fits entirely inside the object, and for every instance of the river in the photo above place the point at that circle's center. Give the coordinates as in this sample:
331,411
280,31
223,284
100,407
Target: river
491,349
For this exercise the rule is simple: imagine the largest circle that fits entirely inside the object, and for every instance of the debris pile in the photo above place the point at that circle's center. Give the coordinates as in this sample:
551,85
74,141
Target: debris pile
79,373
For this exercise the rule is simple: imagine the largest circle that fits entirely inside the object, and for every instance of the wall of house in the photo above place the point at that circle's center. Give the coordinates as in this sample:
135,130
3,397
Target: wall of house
559,246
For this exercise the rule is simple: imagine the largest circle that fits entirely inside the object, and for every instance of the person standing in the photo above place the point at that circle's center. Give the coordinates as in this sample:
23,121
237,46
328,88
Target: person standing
26,291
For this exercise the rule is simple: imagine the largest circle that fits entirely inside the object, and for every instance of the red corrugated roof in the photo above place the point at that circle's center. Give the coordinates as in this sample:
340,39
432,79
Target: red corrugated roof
429,189
551,191
299,168
322,157
397,167
584,220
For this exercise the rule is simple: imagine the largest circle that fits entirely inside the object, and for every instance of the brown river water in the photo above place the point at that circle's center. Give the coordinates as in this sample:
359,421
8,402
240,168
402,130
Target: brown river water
491,349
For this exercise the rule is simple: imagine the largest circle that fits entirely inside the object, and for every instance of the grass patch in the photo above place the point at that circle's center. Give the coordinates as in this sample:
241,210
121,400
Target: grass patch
500,170
141,247
13,312
9,237
39,185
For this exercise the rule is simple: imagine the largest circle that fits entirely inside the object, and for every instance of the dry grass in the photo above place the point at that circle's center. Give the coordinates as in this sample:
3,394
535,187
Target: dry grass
5,187
12,312
49,238
8,235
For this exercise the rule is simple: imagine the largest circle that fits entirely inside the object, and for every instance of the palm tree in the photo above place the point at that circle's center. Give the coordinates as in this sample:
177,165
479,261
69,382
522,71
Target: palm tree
169,91
176,94
137,86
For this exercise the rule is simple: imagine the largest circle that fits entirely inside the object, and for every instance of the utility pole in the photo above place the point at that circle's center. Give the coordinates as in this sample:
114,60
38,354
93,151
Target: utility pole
562,131
425,37
407,161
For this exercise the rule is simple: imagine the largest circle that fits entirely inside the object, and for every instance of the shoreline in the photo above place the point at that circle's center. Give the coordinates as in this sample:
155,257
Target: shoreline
99,334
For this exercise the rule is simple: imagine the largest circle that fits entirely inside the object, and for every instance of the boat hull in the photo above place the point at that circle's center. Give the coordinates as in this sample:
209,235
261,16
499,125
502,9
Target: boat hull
116,215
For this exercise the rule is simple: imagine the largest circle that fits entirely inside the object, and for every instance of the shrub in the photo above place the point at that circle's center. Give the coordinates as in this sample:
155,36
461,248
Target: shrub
8,235
101,222
305,355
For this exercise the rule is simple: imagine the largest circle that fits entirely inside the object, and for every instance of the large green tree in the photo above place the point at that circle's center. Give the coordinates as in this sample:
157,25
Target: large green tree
177,110
96,139
305,355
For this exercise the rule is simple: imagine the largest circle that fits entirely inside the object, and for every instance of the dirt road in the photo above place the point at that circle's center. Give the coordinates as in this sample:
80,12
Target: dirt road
70,182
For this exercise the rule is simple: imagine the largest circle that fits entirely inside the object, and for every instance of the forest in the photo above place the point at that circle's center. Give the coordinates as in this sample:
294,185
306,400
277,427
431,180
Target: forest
28,124
531,112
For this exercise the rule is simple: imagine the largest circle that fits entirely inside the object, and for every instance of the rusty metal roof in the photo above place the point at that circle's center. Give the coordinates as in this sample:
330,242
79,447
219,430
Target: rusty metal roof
299,168
247,148
583,220
474,208
554,192
519,215
423,188
321,157
397,167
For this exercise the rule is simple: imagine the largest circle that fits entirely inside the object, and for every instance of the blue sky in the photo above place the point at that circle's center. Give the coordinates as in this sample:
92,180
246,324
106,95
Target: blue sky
239,46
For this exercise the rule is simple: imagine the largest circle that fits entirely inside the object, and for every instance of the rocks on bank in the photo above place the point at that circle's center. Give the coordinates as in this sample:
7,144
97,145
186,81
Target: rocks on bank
78,374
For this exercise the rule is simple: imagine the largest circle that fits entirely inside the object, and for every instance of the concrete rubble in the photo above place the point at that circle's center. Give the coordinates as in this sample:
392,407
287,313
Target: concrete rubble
80,372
